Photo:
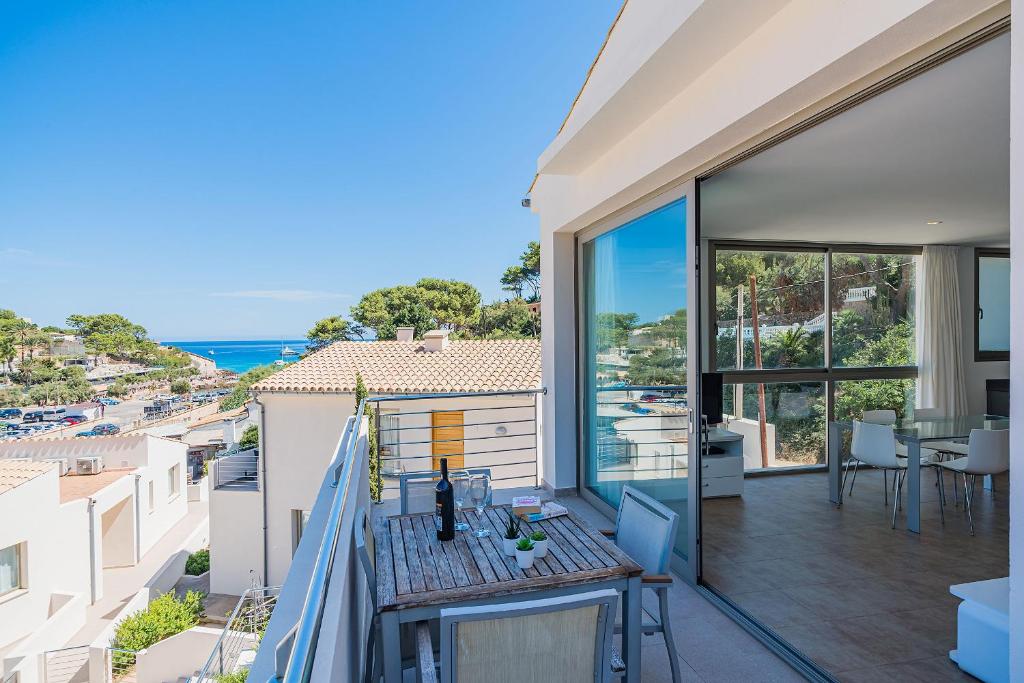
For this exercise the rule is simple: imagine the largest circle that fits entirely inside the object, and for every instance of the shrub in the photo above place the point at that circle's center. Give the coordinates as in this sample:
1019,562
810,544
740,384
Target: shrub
233,677
163,618
250,438
181,386
198,562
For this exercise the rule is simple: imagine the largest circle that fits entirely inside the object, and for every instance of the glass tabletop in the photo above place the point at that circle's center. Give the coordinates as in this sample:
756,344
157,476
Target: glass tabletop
947,427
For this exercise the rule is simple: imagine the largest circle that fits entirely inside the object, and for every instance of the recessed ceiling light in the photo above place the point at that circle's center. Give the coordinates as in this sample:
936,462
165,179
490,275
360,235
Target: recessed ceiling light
934,222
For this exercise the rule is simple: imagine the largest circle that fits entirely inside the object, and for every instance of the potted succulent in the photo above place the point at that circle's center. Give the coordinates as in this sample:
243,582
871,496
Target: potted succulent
512,532
540,543
524,553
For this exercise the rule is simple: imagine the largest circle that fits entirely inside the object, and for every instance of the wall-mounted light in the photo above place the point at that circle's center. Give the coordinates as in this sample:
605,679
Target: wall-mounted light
501,430
934,222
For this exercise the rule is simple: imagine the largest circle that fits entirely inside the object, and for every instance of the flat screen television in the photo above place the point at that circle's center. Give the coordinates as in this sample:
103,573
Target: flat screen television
711,397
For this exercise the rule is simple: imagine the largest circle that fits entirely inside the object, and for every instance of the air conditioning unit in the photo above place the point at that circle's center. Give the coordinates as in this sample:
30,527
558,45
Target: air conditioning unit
91,465
62,465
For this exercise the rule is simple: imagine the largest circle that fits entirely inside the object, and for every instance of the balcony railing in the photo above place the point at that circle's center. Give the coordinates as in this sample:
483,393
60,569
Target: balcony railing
240,640
494,430
238,471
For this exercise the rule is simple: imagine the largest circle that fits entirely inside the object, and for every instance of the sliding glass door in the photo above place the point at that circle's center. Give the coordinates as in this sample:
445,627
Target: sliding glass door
634,359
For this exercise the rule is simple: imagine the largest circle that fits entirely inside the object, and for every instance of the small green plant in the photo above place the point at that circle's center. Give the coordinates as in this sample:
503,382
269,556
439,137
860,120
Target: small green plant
198,562
538,536
238,676
250,438
524,544
513,526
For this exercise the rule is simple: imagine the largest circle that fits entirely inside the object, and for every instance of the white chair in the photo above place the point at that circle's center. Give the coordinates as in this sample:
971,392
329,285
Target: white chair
416,489
566,639
875,445
987,452
645,529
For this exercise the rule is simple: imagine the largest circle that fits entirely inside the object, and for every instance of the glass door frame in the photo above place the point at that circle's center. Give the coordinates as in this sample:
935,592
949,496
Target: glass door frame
687,567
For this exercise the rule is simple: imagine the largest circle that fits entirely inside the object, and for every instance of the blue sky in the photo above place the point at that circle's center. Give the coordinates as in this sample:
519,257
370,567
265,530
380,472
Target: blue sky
239,169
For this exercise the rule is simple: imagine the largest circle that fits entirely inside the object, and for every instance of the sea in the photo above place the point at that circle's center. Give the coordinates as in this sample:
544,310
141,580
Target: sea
240,356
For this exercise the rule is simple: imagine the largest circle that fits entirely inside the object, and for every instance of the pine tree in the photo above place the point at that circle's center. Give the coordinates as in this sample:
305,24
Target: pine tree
371,438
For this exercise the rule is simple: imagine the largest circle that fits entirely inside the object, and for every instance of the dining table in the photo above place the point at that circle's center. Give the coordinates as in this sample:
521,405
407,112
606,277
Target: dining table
418,575
915,434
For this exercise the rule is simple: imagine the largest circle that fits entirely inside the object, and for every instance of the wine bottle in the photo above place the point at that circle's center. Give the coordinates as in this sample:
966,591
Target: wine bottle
444,512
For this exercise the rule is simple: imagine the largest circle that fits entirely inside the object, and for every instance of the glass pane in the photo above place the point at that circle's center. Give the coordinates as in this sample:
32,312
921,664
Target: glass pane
853,397
873,310
10,569
794,416
634,319
790,288
993,303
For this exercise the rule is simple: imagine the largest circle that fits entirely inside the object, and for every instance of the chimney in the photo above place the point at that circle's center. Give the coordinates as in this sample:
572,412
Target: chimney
405,334
435,340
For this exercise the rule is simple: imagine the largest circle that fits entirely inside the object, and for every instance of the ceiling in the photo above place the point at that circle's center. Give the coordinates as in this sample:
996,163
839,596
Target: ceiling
936,148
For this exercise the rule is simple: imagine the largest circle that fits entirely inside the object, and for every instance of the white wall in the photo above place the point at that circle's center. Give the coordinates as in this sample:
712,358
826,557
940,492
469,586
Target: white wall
179,656
168,508
54,539
975,373
1017,349
236,540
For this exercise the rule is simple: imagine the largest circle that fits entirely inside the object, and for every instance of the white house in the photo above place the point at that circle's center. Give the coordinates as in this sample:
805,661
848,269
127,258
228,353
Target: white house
71,509
304,407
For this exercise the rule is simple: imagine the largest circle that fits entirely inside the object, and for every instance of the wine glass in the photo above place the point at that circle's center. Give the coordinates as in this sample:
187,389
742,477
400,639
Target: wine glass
480,495
460,488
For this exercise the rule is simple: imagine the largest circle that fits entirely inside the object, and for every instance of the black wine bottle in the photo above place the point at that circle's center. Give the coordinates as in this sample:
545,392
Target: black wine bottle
444,498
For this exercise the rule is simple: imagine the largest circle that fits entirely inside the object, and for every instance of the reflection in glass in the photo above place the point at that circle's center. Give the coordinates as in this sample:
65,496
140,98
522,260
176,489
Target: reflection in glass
633,283
873,310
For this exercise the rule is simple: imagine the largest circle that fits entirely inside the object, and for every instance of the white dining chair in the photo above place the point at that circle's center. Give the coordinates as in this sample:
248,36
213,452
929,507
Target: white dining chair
566,639
645,529
875,445
416,489
987,452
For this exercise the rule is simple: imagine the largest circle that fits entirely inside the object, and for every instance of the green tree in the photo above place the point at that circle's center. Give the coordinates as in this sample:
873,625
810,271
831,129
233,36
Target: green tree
658,365
507,320
612,329
376,485
250,438
240,395
523,278
329,330
181,387
8,352
452,304
385,310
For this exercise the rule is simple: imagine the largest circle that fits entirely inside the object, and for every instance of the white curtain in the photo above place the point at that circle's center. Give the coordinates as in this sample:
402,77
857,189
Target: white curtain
940,379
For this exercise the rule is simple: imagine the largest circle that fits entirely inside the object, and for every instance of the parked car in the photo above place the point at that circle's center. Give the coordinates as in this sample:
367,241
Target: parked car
106,429
73,419
54,414
32,416
107,401
87,432
8,413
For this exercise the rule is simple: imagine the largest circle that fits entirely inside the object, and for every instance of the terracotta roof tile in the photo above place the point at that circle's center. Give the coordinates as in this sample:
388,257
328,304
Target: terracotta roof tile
393,367
16,473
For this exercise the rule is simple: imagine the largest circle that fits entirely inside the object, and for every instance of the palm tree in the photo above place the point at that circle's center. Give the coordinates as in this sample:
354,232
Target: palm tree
792,346
7,352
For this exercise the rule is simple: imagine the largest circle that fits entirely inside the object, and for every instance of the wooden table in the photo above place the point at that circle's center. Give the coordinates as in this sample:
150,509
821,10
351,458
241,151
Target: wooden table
418,576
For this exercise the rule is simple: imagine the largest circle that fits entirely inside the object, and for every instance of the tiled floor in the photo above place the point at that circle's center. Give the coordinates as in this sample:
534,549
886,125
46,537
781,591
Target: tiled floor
866,602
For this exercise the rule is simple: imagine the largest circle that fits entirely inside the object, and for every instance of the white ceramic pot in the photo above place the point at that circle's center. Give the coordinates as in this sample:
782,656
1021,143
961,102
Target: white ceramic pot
524,558
540,548
508,546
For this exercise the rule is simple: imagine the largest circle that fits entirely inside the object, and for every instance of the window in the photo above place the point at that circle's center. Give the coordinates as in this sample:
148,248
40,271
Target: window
300,518
991,304
785,291
11,578
389,436
173,481
857,303
152,495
